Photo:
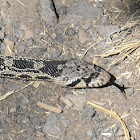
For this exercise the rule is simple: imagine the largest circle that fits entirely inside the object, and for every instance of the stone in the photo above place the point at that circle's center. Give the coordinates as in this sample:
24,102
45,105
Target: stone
65,123
30,42
51,126
55,54
47,12
29,34
106,30
130,90
2,34
98,3
70,32
82,36
6,4
104,19
60,38
78,101
115,129
88,112
25,120
77,12
62,11
12,110
91,133
3,13
86,26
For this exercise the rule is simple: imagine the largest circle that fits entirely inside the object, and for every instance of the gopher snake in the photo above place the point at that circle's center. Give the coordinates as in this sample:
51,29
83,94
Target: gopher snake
71,73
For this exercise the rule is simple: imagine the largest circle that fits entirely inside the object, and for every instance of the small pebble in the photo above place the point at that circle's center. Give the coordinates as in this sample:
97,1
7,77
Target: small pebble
101,45
88,112
98,3
2,34
70,32
6,4
25,120
55,54
60,38
1,23
130,90
39,134
1,131
62,10
115,129
3,13
82,36
2,80
104,19
30,42
86,26
37,34
78,101
29,34
120,132
19,34
12,110
91,133
53,35
51,126
120,80
65,123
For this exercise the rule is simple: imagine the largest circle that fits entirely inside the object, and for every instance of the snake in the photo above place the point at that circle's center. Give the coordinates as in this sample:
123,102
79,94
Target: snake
73,73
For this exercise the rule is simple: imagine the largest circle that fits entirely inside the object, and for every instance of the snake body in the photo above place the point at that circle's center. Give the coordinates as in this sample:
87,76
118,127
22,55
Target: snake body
71,73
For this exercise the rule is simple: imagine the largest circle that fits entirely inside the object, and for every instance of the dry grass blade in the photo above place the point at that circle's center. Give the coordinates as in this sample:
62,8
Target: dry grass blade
126,52
21,3
6,95
115,115
11,92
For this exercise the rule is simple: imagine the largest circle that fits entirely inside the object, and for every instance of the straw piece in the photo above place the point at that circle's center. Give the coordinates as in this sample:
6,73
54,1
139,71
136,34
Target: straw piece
115,115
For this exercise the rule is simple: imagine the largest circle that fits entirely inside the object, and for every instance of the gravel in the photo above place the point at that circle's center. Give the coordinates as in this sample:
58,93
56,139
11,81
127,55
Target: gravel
75,32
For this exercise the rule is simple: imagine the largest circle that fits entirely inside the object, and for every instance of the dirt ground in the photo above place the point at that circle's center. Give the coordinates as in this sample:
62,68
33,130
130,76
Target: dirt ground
81,35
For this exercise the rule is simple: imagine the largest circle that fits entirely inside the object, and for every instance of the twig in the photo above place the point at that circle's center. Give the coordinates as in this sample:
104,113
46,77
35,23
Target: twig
48,107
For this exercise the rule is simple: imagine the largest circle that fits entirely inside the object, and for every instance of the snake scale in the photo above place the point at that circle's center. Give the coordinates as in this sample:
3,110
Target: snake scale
71,73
